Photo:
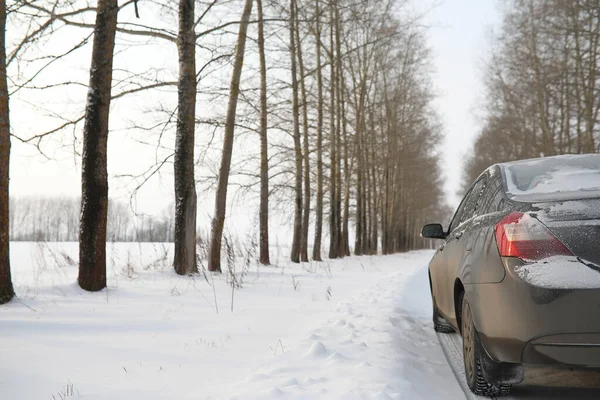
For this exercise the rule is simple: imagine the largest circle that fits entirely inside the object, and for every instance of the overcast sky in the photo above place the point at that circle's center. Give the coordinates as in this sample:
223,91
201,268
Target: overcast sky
458,38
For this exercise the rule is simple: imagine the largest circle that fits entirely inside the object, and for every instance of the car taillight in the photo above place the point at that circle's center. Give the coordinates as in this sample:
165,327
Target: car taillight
520,235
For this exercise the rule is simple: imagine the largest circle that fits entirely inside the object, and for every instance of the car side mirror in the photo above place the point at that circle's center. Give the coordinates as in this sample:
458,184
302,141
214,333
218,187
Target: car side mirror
433,231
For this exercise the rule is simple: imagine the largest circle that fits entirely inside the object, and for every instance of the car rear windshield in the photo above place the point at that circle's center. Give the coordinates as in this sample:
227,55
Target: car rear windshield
554,178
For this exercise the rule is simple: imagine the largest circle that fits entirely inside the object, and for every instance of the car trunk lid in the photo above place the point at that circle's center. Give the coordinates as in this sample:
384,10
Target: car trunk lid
576,224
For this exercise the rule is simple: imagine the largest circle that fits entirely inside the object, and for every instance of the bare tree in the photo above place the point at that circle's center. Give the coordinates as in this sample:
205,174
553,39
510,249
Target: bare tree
364,90
333,161
185,185
542,88
221,196
264,158
340,133
94,179
305,148
48,219
319,206
6,287
297,237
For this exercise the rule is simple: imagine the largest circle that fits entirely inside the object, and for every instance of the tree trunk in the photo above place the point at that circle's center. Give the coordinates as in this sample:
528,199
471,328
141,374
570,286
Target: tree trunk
305,151
540,85
590,85
296,241
358,245
369,205
264,159
374,223
345,237
184,260
214,262
94,178
333,225
385,207
6,287
339,129
364,199
319,210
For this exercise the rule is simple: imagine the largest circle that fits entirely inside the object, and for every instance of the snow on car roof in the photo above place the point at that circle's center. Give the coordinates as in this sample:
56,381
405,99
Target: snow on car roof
553,178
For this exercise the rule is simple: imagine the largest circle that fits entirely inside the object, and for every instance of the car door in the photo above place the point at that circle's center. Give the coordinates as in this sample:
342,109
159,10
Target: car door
437,267
480,239
454,249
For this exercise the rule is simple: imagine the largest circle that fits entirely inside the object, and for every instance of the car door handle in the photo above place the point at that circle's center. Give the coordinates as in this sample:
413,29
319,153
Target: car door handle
458,235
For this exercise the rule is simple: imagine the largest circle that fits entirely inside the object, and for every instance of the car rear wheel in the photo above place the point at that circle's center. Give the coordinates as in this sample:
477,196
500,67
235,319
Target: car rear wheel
472,354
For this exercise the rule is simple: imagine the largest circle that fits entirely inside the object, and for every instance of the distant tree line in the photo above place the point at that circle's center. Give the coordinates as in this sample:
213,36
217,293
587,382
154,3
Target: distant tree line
56,219
336,95
542,84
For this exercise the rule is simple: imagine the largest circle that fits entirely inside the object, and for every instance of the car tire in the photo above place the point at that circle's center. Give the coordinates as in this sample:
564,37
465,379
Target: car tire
473,357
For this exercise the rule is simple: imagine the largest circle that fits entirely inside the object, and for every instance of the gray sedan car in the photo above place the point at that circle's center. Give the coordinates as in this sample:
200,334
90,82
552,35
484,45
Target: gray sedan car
518,273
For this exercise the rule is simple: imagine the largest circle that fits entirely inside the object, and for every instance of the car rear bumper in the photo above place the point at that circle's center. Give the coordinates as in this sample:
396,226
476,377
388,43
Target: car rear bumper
522,323
569,349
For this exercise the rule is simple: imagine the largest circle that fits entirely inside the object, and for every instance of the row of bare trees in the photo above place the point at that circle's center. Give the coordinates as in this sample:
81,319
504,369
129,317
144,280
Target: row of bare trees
341,129
56,219
543,83
375,127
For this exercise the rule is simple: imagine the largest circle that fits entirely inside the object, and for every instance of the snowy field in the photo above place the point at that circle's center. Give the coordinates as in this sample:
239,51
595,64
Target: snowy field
355,328
358,328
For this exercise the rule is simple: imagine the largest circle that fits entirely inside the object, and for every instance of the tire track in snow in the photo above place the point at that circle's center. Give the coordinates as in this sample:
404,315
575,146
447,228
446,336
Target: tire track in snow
450,343
377,345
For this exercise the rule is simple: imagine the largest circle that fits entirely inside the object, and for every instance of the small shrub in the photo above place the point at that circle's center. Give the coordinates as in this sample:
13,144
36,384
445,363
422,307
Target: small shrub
67,392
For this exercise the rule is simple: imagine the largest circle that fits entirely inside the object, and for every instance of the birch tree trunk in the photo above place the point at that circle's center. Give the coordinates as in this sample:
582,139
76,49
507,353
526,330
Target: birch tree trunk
6,287
94,178
319,206
214,262
184,260
264,158
296,241
305,151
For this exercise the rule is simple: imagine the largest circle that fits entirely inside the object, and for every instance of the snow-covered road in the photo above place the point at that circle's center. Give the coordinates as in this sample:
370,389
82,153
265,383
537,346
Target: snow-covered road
343,329
378,344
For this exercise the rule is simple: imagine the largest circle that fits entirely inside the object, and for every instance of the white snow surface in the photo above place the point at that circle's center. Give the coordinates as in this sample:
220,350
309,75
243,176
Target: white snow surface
560,272
358,328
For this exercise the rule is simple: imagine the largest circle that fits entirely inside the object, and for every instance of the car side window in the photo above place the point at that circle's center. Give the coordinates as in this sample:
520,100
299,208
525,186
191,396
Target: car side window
501,202
472,201
492,195
468,207
478,191
461,208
